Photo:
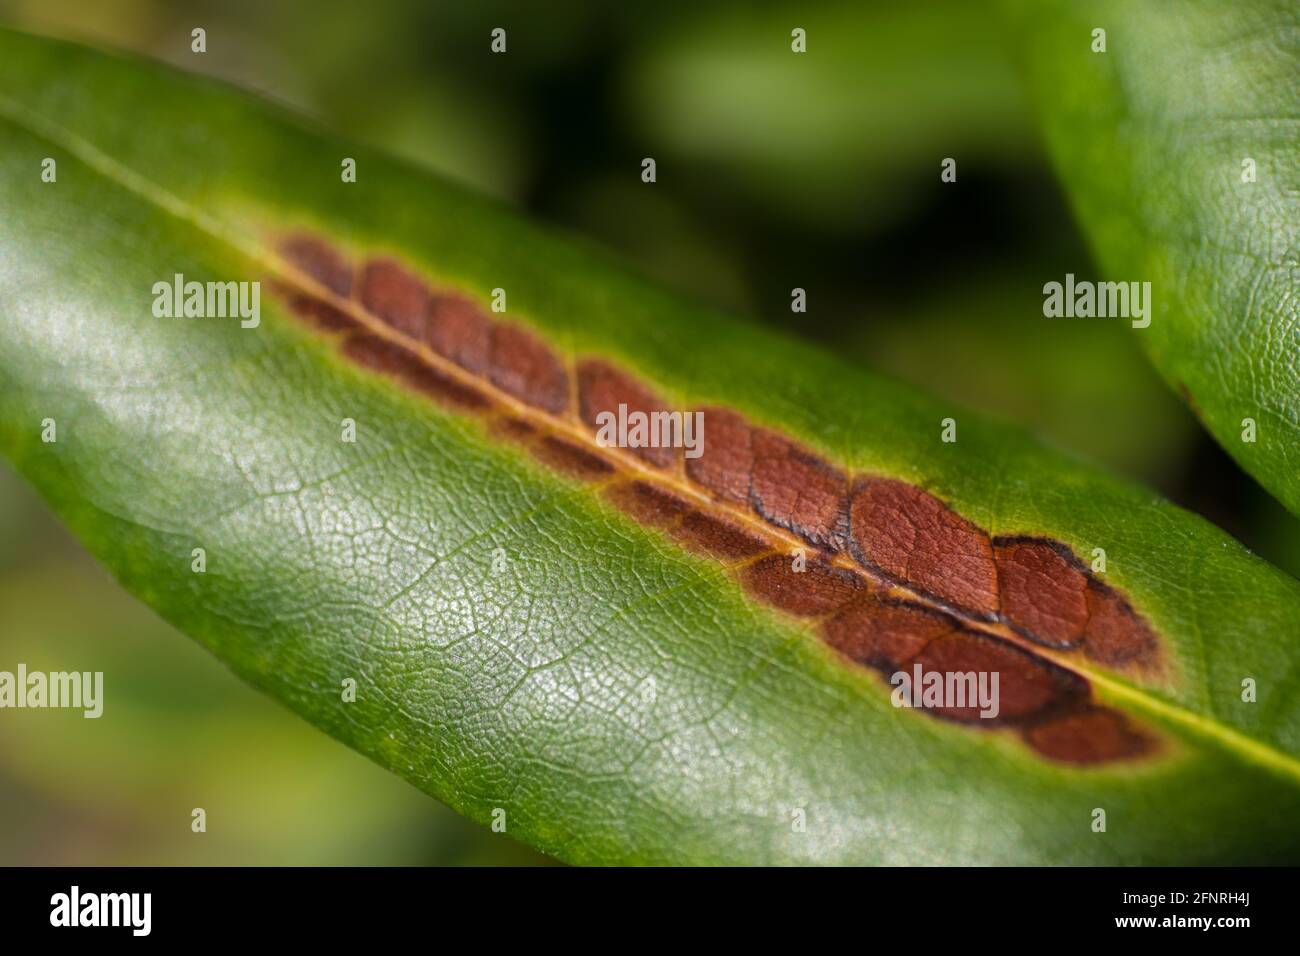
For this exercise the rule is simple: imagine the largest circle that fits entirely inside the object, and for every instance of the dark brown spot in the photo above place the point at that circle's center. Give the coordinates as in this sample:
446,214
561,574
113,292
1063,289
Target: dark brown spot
1090,735
705,534
1043,590
795,489
572,459
511,429
883,633
1116,636
647,503
916,539
323,264
392,359
458,330
527,368
602,388
818,589
320,261
317,312
1027,684
396,296
727,456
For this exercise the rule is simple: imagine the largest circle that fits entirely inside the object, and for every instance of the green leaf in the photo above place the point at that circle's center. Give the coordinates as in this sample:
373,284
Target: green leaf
518,643
1178,148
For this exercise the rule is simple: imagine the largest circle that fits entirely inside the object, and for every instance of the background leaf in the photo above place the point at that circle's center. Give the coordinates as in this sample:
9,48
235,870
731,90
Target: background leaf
328,560
1150,138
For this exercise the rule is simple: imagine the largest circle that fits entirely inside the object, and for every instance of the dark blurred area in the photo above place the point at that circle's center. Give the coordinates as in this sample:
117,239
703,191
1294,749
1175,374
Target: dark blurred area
819,171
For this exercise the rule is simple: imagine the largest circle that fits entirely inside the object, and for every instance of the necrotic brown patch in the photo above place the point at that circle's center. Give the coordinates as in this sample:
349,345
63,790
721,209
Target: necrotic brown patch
1091,735
1028,685
524,366
459,331
647,503
396,296
950,584
817,590
707,534
325,266
884,633
916,539
560,453
516,430
389,358
317,312
795,489
319,261
1116,637
727,456
602,388
572,459
1043,590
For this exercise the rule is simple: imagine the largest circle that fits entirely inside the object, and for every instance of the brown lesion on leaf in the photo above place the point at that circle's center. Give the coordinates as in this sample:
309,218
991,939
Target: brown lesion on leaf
1117,637
556,451
719,537
882,632
793,488
389,358
1049,706
321,261
602,388
575,460
1030,687
515,430
914,538
325,266
818,589
1049,596
727,457
889,575
396,296
1091,735
647,503
1043,590
458,331
522,365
